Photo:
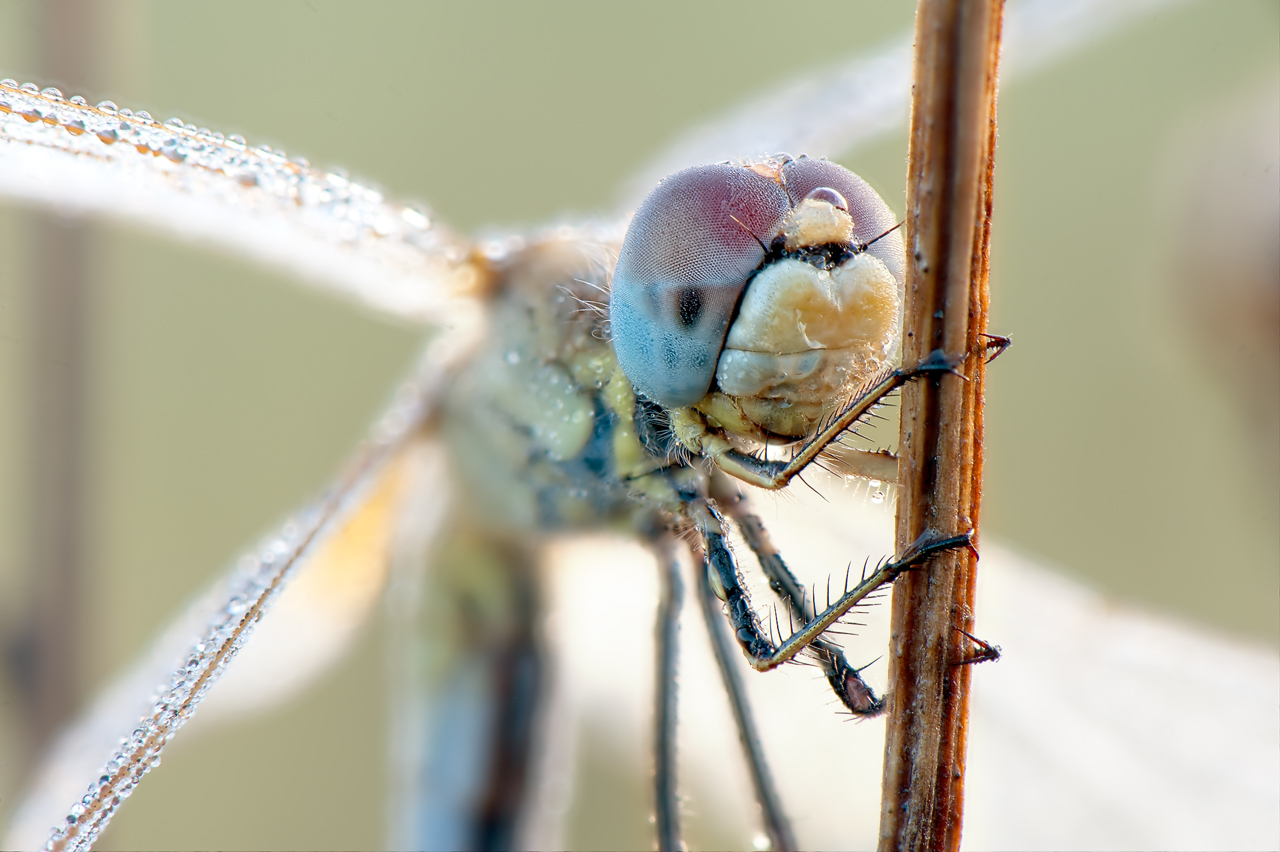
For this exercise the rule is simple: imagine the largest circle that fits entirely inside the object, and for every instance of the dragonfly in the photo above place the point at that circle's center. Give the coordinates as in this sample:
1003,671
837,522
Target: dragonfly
577,416
387,294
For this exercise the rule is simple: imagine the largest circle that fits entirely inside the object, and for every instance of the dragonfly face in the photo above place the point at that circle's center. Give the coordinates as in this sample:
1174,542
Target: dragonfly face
821,315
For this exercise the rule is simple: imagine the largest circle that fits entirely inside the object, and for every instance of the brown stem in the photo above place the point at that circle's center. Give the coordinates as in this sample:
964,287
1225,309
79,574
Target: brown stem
948,228
47,647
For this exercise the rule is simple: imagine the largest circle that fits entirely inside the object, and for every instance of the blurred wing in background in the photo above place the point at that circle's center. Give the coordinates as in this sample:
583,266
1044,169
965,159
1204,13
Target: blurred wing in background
345,540
325,229
1062,727
853,103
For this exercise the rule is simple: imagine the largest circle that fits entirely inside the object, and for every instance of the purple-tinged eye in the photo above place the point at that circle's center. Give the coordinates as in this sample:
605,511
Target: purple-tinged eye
687,255
871,216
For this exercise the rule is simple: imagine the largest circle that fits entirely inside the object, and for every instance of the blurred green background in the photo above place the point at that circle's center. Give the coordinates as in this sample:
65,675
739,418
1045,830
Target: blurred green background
221,396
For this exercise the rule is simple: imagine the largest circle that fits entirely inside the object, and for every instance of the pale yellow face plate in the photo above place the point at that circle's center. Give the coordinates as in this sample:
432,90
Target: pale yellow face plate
804,336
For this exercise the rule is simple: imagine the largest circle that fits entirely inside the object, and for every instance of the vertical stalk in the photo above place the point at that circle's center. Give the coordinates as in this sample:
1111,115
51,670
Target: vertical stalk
48,655
948,230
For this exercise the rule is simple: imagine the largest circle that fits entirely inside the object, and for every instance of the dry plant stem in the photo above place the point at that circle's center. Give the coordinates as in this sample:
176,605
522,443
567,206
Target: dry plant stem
940,467
46,649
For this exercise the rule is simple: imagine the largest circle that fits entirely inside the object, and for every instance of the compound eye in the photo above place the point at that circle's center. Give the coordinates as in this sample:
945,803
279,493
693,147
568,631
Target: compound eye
871,216
687,255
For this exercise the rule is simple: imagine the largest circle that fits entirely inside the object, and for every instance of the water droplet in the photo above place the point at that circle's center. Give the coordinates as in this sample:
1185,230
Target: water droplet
51,93
173,122
9,83
30,88
761,842
79,101
173,150
877,497
415,218
144,116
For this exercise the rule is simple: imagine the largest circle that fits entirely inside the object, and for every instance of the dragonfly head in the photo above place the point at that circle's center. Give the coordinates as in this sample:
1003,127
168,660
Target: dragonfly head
756,293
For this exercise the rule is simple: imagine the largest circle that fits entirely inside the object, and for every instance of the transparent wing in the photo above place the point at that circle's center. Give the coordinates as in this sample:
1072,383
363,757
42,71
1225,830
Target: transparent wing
196,184
343,540
1101,727
830,112
1135,731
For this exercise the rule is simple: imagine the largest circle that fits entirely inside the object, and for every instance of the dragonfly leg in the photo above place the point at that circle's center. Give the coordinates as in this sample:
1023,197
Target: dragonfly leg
846,681
694,433
726,583
776,824
986,653
666,792
994,346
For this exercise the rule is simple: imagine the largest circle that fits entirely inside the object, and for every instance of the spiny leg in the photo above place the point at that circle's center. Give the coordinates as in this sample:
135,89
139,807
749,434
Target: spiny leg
986,653
776,824
693,433
845,680
994,346
666,794
726,583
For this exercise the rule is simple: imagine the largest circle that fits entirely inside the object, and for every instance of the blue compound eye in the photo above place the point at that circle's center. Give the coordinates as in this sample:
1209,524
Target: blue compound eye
871,216
687,255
